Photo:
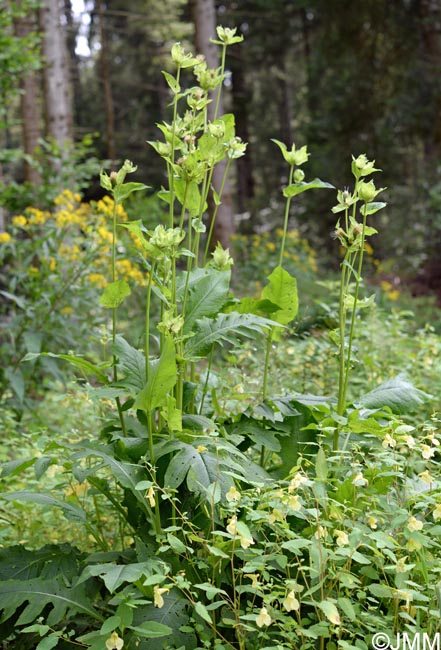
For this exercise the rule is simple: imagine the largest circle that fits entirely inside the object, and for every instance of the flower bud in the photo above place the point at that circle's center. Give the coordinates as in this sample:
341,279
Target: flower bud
113,178
299,175
367,191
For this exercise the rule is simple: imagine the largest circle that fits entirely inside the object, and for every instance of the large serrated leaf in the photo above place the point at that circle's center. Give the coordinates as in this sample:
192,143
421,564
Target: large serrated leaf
206,296
70,511
38,594
132,363
398,393
162,377
282,291
224,328
82,364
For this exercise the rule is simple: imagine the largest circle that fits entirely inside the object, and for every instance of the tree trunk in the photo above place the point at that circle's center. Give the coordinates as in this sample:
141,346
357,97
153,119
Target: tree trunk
241,102
107,86
57,87
204,18
29,104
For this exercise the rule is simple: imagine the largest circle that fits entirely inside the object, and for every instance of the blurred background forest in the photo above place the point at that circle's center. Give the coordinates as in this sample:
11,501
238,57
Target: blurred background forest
345,78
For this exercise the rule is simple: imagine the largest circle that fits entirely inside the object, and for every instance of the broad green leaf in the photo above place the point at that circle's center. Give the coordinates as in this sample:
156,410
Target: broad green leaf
348,608
189,192
39,594
330,611
114,294
115,575
206,296
282,291
399,394
372,208
70,511
131,362
49,642
321,465
20,302
224,328
84,365
203,612
298,188
121,192
172,82
162,377
151,629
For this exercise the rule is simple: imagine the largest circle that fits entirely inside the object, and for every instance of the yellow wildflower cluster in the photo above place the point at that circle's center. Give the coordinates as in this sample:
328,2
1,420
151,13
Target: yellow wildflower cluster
391,292
262,250
79,234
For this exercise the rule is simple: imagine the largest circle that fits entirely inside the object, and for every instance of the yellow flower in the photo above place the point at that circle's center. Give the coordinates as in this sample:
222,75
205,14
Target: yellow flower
97,279
254,578
393,295
413,545
410,441
263,618
372,522
201,448
233,494
321,532
426,477
437,512
246,541
19,221
158,600
414,524
5,237
401,566
294,503
389,441
341,538
298,480
78,489
291,604
427,452
151,496
359,480
114,642
66,311
232,525
276,515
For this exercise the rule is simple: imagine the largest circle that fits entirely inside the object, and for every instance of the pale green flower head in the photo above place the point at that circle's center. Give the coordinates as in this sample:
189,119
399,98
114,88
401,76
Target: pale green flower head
294,157
227,36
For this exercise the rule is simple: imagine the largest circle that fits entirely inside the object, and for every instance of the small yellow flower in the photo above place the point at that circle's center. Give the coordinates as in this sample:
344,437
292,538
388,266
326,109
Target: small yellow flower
114,642
233,494
20,221
151,496
275,515
201,448
413,545
263,619
321,532
246,541
298,480
5,237
232,525
291,604
341,538
158,600
414,524
401,565
66,311
427,452
294,503
437,512
389,441
372,522
254,577
410,441
359,480
426,477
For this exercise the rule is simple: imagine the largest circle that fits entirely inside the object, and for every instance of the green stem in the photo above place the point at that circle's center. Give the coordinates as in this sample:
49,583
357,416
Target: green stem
354,309
213,218
114,361
219,90
147,323
285,221
171,175
266,367
204,390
